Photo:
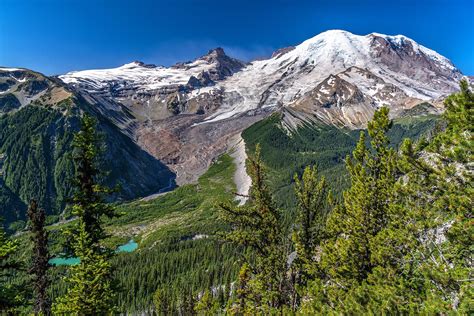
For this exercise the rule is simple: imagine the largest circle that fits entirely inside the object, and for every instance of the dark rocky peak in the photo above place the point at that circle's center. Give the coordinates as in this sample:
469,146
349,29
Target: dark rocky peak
216,52
402,55
335,91
218,56
17,74
222,66
393,45
141,64
213,56
202,80
23,81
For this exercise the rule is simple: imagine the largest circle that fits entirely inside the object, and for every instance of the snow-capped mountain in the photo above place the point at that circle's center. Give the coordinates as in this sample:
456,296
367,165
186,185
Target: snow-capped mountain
185,114
396,61
142,77
392,70
156,92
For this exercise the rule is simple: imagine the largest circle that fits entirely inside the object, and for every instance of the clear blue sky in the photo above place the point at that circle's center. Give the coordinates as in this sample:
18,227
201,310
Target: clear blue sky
56,36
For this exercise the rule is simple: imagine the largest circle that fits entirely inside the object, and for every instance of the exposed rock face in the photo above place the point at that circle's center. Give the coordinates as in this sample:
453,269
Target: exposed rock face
151,92
404,56
337,101
350,98
188,149
185,114
280,52
223,65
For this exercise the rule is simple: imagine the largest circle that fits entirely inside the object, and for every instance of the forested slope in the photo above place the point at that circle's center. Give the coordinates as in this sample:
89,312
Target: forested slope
286,153
35,156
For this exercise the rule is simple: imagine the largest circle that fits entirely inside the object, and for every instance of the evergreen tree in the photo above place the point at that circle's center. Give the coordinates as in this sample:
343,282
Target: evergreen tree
40,265
207,305
352,228
311,195
88,199
188,303
161,302
440,186
365,205
238,306
257,225
9,294
91,289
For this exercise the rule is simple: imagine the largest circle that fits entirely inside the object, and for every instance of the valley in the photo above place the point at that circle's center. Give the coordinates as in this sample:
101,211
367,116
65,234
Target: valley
202,149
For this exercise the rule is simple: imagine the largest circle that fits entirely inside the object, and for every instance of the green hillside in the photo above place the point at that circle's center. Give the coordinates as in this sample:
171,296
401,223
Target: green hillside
179,249
35,159
178,252
322,145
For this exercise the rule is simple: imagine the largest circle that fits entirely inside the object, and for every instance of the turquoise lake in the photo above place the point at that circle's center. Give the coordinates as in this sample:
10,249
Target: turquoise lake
130,246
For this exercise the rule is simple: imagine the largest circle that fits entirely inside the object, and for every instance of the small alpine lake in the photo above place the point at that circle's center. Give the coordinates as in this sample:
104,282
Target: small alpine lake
130,246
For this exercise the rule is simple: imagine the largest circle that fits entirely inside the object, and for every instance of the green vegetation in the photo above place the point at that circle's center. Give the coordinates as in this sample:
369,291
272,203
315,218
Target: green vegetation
400,239
40,266
395,238
9,292
34,143
313,203
8,102
258,225
91,290
441,190
322,145
36,159
353,250
11,207
179,253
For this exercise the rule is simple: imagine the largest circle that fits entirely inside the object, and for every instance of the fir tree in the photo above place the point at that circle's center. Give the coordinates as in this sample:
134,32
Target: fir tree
161,302
352,228
364,211
238,306
257,225
207,305
88,199
311,195
91,289
9,294
40,265
440,186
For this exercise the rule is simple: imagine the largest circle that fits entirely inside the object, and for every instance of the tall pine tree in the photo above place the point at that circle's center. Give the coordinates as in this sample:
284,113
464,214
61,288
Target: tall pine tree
363,214
40,265
91,290
9,294
440,186
348,253
257,225
312,206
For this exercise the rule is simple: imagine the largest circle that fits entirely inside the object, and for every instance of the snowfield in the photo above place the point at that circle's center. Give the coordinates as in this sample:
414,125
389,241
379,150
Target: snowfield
392,62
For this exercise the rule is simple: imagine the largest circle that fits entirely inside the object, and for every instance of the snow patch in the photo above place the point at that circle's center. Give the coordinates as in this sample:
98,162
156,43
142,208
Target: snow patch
9,69
241,178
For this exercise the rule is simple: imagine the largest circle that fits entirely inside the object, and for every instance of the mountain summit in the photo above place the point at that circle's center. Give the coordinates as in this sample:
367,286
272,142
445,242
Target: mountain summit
185,114
396,61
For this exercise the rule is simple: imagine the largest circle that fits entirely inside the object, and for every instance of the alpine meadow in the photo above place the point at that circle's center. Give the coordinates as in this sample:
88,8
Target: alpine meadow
259,177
